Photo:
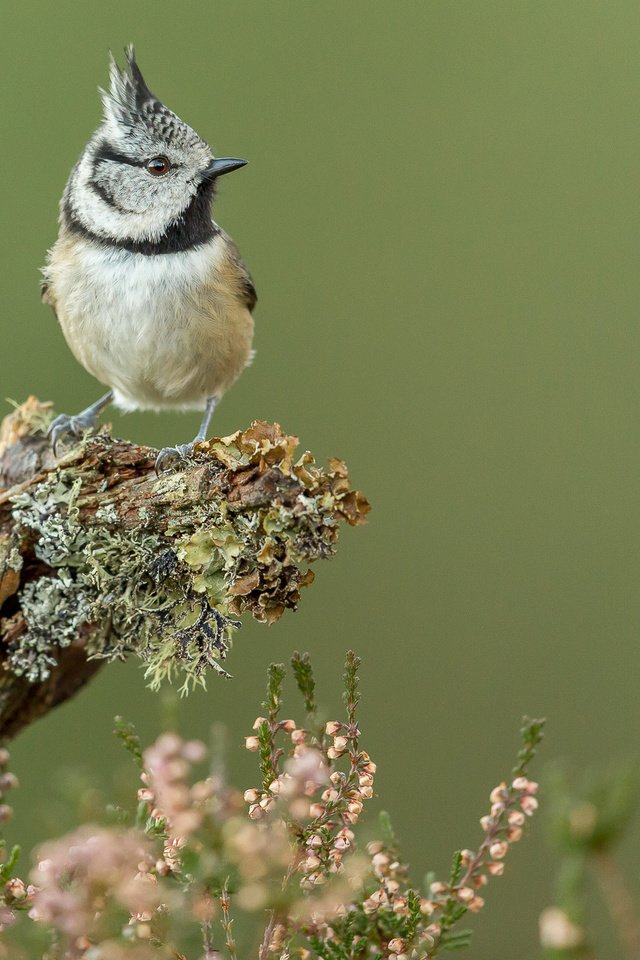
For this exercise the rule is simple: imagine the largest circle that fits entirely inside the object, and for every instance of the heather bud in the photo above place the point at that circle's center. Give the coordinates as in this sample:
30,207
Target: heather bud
498,793
498,849
466,894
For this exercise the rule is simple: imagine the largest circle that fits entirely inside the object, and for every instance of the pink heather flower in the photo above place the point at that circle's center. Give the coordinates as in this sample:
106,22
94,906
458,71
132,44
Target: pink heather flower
438,887
380,863
529,805
375,901
476,904
7,919
329,796
400,906
194,751
252,743
486,823
167,766
496,869
557,930
8,781
306,768
16,889
257,723
515,818
77,872
466,894
332,727
499,849
498,793
396,945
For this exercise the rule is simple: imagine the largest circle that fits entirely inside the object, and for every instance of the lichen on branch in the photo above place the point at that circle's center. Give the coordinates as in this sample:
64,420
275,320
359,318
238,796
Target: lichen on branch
96,549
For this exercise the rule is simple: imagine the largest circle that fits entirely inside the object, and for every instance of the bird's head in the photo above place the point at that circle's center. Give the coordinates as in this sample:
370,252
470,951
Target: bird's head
145,171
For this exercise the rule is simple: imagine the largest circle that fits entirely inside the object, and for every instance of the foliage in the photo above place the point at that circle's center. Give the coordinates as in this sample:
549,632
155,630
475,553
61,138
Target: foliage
588,817
171,876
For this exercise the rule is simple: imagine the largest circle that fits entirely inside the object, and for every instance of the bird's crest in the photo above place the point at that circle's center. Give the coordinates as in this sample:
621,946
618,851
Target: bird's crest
130,103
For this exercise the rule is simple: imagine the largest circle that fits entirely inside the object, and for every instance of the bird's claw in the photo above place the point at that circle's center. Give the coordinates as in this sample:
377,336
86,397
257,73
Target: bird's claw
183,451
65,424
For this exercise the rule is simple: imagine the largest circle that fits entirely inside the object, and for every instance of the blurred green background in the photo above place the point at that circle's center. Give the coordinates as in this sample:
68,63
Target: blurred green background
441,216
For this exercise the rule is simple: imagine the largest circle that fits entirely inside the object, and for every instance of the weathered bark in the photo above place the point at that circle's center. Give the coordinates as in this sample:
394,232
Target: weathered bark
99,558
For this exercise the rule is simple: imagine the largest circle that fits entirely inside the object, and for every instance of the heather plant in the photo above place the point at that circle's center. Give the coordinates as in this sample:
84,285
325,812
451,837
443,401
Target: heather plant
590,815
171,876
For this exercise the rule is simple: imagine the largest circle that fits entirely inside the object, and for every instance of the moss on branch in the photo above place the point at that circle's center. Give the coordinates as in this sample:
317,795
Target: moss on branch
99,555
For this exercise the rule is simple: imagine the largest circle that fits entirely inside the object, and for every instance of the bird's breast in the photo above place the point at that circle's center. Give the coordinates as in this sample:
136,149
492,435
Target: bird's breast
163,330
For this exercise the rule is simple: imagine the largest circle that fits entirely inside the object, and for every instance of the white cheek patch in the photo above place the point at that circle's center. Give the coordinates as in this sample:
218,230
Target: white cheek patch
142,209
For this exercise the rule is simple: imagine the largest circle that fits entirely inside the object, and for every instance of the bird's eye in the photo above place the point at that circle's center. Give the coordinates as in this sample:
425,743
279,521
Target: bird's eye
158,166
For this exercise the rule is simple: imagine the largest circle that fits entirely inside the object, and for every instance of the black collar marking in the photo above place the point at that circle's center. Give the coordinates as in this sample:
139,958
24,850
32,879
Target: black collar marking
192,229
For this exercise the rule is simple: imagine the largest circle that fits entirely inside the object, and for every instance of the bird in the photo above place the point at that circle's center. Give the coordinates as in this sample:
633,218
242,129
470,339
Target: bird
152,296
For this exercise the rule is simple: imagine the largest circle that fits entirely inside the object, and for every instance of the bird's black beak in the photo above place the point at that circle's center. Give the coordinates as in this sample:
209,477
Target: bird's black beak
222,165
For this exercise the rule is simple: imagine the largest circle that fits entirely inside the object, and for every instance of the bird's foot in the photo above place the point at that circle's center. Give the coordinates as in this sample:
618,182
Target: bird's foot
74,425
182,452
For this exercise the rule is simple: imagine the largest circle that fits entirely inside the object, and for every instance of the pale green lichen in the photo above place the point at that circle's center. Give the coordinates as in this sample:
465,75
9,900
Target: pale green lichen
169,591
55,608
119,581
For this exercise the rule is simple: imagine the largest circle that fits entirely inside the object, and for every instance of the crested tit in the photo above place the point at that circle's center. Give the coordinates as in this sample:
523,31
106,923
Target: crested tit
152,295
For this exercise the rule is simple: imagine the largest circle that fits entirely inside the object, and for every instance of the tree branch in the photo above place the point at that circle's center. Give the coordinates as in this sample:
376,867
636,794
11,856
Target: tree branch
99,558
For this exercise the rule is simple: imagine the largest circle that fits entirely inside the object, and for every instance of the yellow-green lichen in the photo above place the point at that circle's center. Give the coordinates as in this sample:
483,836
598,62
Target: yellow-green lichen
159,567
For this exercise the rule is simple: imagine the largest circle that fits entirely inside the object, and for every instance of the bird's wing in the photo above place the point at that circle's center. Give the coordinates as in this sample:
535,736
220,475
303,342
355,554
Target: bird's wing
243,278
